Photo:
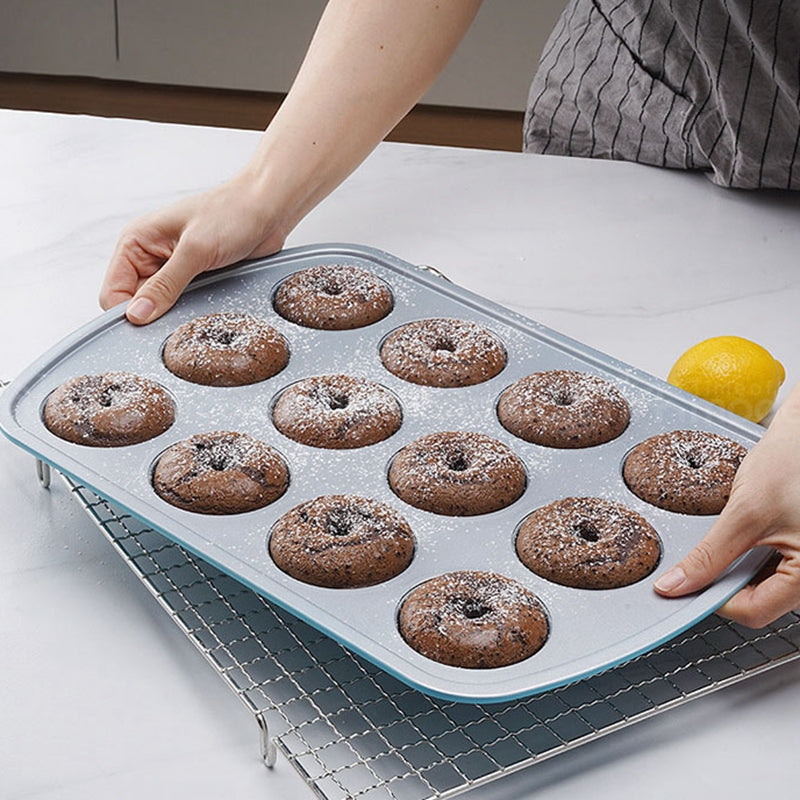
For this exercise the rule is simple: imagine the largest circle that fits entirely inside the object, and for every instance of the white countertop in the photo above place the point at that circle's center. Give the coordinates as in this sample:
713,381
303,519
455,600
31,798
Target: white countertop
101,694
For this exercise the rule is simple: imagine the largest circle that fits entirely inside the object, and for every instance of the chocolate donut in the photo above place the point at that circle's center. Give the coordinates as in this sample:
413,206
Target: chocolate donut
476,620
443,352
333,297
687,471
225,350
113,409
457,473
342,541
563,408
337,412
221,472
588,543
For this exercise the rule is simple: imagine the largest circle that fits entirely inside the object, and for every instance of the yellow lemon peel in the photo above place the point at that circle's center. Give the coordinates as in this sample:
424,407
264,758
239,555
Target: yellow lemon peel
731,372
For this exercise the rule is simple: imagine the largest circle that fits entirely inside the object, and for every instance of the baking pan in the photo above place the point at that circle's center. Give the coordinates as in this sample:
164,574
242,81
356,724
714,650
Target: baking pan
591,630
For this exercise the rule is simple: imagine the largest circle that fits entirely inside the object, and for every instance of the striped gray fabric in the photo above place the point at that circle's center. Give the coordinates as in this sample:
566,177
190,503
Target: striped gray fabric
691,84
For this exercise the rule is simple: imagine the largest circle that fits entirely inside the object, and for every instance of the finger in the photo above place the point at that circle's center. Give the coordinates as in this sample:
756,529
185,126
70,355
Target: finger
759,604
120,281
160,292
733,534
130,265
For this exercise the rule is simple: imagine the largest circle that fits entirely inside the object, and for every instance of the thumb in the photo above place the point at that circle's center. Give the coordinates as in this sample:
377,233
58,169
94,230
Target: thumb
162,289
728,538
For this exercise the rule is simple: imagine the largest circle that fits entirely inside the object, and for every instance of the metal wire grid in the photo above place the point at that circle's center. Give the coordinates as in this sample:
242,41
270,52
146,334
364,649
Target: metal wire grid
353,731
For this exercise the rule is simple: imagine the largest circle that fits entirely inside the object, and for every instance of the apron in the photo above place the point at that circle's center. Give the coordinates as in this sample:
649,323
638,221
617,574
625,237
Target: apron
709,85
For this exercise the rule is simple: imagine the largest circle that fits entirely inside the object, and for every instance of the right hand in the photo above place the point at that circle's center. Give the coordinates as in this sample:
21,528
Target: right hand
158,254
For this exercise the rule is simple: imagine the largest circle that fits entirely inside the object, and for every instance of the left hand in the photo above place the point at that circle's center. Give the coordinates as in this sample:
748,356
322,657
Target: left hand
763,509
158,254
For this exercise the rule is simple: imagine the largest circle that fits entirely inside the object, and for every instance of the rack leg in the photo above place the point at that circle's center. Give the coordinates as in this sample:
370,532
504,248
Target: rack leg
43,473
269,752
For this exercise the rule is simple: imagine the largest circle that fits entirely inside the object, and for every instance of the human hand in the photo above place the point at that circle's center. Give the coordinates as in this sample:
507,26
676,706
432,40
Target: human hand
763,509
158,254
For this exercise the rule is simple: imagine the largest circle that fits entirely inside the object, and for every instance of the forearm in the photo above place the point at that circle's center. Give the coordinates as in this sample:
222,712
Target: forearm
368,64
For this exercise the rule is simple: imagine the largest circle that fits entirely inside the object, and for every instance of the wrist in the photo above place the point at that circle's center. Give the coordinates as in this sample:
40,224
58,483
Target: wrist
274,198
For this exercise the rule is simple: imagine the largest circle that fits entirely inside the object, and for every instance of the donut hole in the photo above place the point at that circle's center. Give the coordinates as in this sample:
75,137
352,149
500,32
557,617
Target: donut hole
694,459
343,521
221,336
332,288
106,399
338,525
470,607
457,461
212,457
443,345
336,402
563,397
587,531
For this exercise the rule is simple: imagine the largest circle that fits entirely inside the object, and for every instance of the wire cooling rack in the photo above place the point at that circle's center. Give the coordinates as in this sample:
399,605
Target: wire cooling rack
355,733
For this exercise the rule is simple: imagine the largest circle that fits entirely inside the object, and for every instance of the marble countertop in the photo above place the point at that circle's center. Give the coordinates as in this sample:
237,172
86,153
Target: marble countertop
101,694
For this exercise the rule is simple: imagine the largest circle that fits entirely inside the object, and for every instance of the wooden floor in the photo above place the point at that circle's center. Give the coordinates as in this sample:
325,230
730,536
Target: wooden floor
457,127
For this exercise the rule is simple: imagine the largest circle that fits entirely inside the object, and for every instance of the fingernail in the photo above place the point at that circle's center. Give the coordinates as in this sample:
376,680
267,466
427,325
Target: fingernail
140,309
671,580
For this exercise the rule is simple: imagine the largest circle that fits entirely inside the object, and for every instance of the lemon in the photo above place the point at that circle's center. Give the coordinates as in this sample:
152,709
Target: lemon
731,372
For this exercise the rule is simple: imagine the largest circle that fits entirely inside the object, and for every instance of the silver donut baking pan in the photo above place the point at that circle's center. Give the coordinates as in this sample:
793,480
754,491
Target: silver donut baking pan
591,630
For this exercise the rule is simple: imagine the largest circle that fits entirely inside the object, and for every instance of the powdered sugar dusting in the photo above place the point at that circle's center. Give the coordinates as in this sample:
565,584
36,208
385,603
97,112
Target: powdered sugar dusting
443,352
703,451
462,455
342,520
468,595
564,388
588,542
114,390
226,331
226,349
113,409
333,297
222,451
338,411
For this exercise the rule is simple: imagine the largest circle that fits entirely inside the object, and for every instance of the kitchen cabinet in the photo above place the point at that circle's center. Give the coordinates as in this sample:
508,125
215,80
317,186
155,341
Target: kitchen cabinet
251,45
51,37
